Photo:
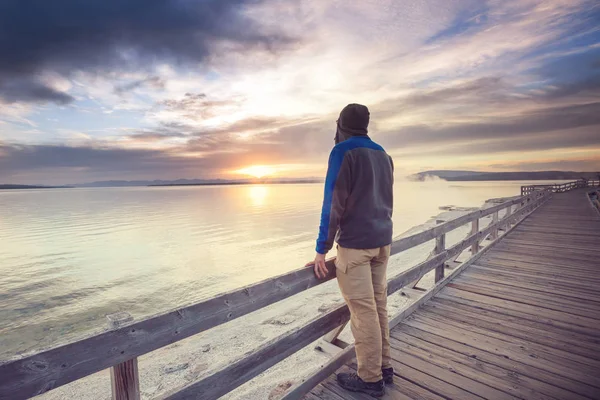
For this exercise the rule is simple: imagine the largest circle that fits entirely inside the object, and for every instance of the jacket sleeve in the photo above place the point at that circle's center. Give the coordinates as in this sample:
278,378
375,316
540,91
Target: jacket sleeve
337,189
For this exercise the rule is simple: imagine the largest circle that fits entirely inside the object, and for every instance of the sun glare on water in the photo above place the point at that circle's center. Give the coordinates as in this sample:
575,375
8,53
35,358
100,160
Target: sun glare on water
257,171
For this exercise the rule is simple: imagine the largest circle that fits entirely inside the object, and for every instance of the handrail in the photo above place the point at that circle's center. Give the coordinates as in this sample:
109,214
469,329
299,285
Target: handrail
561,187
29,375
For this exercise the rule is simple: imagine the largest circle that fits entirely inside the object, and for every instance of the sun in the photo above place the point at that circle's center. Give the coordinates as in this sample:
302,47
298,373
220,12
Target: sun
257,171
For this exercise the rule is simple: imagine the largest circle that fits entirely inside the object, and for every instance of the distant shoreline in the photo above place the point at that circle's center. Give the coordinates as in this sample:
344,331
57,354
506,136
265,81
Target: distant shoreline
18,187
237,183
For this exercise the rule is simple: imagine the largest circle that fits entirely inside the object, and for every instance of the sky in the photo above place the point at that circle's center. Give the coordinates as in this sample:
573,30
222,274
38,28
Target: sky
170,89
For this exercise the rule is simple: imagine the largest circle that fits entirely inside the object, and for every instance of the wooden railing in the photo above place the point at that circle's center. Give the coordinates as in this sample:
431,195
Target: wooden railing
561,187
119,347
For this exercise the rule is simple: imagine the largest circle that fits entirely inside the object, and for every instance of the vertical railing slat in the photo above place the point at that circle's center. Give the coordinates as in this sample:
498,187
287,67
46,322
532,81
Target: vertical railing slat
475,230
494,234
440,247
124,377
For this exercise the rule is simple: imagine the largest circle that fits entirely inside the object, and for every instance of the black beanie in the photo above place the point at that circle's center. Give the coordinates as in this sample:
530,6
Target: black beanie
353,121
354,117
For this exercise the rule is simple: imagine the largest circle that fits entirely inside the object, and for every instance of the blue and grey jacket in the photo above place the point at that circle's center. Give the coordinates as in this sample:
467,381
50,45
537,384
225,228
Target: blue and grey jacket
358,201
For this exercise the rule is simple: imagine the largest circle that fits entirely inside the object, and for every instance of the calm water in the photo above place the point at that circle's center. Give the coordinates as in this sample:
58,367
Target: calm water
69,257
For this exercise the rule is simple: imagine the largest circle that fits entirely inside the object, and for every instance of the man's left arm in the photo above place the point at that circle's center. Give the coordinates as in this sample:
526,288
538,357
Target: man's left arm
337,188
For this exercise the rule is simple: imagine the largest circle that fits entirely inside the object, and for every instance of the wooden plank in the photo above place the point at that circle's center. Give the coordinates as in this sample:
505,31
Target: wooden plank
468,367
564,388
573,313
535,359
574,246
576,323
589,307
563,252
551,349
547,261
532,227
520,327
542,267
566,288
551,254
404,388
551,277
573,293
566,240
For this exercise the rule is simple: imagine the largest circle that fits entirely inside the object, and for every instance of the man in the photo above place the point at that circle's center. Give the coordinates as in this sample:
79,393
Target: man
357,212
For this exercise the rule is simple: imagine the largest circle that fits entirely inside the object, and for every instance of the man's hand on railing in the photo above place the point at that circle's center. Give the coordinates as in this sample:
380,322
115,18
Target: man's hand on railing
319,266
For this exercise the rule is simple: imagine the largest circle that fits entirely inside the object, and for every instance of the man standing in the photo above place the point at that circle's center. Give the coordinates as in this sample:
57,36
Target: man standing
357,213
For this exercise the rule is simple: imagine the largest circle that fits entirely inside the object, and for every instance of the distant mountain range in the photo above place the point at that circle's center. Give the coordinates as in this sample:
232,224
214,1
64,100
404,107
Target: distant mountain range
503,176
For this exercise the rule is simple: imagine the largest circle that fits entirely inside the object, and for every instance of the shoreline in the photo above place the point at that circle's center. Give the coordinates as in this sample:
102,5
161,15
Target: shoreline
200,355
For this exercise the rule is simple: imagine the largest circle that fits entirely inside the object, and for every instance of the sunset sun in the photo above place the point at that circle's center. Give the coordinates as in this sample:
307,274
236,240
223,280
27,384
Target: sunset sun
257,171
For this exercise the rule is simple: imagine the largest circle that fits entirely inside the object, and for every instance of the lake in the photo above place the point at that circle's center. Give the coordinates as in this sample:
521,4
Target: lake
68,257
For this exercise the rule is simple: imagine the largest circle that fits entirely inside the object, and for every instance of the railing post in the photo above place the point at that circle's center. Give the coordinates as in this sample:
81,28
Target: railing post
494,234
440,247
507,217
475,230
124,377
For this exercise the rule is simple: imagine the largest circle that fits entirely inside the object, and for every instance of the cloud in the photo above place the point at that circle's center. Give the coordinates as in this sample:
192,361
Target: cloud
507,128
32,92
580,165
155,82
105,35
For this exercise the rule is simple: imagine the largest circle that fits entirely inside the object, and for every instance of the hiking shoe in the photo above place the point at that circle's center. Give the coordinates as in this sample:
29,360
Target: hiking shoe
388,375
353,383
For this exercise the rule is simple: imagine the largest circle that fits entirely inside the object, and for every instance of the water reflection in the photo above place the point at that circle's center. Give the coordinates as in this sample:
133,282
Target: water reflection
257,194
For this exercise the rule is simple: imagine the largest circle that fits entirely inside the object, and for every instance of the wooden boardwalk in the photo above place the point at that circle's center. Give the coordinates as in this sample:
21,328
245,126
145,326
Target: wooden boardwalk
523,322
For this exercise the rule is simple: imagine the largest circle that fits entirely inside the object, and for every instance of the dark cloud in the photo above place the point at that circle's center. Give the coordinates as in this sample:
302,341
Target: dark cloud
583,164
31,92
590,85
488,90
565,139
542,121
154,136
100,35
155,82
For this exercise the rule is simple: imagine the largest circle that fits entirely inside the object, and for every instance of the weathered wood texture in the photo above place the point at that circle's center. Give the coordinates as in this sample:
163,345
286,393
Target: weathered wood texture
124,380
124,377
24,377
522,321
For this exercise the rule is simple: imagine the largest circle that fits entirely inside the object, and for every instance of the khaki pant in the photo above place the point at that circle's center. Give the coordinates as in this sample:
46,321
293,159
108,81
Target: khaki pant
361,275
